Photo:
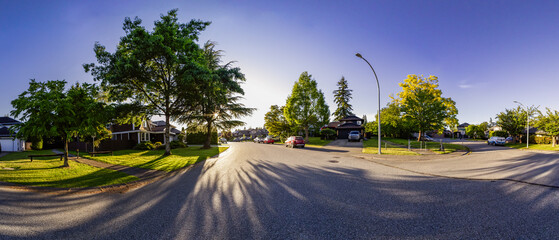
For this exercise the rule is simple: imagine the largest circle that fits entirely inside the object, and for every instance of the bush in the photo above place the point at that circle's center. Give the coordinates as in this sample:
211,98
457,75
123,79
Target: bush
37,144
542,140
498,134
145,146
200,138
177,144
157,144
328,134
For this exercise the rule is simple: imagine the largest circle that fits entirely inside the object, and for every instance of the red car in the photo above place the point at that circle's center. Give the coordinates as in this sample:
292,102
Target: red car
295,141
268,139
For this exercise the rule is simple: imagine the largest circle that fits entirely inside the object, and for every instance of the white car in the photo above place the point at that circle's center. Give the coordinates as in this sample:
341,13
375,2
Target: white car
496,141
354,136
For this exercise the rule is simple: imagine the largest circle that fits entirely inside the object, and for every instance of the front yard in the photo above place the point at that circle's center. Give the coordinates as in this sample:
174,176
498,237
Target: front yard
47,172
370,146
545,147
154,159
432,146
316,142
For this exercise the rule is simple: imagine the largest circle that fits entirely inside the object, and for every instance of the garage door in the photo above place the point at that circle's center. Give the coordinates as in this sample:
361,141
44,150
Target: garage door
8,145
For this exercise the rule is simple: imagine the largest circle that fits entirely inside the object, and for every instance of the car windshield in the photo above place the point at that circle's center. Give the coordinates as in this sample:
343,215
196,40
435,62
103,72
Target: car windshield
354,132
298,138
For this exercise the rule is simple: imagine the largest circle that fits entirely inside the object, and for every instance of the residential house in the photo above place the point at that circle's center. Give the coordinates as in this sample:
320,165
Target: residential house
346,125
8,142
461,130
146,131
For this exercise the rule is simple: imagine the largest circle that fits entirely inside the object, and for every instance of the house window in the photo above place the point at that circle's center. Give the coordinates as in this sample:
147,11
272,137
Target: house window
144,137
358,122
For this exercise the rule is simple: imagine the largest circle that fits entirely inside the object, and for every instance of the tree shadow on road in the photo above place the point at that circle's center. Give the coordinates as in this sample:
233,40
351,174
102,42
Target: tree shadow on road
269,200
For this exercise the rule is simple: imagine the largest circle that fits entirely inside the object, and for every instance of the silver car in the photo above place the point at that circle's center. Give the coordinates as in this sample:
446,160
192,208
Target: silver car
496,141
354,136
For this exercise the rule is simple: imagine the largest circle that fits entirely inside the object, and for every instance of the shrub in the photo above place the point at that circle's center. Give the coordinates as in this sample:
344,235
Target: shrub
542,140
145,146
328,134
200,138
37,144
500,133
177,144
157,144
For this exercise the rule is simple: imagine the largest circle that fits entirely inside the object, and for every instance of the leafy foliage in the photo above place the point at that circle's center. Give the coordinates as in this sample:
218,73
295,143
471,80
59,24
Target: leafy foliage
549,122
217,94
423,106
47,110
147,145
341,97
514,120
328,134
475,131
152,69
306,107
500,133
276,124
392,123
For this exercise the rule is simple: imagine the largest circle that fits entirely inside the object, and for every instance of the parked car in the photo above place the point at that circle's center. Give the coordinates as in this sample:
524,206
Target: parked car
354,136
496,141
509,139
428,139
295,141
257,140
268,139
223,140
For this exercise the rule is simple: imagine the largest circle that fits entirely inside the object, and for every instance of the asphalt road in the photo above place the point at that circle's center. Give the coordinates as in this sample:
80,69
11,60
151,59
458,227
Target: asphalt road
256,191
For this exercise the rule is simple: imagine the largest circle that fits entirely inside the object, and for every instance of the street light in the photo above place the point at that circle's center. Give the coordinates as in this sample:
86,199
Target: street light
378,87
527,124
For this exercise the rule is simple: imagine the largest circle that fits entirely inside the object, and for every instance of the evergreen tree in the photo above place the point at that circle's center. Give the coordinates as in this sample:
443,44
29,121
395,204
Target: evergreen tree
341,98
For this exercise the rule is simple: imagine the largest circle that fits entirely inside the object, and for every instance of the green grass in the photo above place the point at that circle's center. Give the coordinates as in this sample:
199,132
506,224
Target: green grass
47,172
154,159
432,146
545,147
371,147
316,142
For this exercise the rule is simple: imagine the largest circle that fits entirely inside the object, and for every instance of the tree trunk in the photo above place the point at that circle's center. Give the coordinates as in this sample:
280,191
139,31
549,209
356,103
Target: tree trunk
66,152
167,136
419,137
306,134
208,135
553,140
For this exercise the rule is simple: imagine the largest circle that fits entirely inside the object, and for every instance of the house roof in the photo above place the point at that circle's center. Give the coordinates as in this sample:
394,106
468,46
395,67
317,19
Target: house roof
349,125
464,125
333,124
5,132
8,121
176,131
351,118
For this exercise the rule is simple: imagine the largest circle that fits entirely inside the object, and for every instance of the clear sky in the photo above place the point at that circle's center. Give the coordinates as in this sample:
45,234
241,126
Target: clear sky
486,54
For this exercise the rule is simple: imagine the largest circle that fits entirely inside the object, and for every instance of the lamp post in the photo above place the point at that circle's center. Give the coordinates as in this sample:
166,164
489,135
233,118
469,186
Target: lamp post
378,87
527,124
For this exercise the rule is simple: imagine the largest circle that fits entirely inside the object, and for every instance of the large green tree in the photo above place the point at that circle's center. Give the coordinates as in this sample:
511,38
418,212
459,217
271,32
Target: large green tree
48,110
306,107
549,122
276,124
514,121
393,124
152,68
475,131
216,95
423,106
342,96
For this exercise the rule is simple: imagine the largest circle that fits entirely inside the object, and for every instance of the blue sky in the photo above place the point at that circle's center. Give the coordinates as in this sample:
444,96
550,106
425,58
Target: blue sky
486,54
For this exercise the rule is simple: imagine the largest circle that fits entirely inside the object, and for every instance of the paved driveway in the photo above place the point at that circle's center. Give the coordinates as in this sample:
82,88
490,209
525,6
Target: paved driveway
256,191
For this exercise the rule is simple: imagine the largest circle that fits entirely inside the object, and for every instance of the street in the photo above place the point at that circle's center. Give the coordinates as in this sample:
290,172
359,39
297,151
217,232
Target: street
258,191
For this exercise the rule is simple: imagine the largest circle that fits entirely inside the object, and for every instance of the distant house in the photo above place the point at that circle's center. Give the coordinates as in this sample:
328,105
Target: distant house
7,141
146,131
346,125
461,129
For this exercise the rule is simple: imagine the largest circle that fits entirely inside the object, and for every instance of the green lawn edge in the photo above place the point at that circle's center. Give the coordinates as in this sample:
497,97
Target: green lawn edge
47,172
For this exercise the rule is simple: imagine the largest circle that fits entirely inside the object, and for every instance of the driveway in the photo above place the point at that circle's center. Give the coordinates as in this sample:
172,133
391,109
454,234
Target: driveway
257,191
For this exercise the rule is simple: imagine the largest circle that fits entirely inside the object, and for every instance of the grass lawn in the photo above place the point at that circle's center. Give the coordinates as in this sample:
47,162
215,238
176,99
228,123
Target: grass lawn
433,146
547,147
46,172
371,147
154,159
316,142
